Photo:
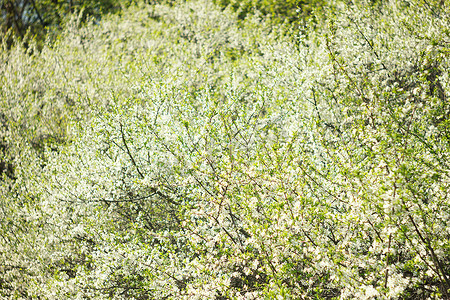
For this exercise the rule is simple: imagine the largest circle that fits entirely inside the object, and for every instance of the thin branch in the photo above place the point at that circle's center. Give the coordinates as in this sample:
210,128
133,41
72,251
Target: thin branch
129,152
37,13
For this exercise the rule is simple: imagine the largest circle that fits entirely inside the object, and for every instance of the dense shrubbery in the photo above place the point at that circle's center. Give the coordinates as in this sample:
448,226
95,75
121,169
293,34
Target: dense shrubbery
294,12
171,152
41,19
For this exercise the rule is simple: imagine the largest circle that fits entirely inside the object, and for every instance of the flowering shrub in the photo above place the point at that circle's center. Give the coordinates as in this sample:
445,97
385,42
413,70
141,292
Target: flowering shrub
171,153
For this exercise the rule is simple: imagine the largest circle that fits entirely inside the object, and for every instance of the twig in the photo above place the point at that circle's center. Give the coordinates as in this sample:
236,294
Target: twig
129,152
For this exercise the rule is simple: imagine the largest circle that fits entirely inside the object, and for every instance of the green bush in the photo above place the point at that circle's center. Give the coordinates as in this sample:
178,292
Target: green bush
40,19
292,11
177,152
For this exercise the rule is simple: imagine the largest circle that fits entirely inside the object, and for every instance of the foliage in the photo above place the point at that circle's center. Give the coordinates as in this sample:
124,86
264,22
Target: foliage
294,12
173,152
40,18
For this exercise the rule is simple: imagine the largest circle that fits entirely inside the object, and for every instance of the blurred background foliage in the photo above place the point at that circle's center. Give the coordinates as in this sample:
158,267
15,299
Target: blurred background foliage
42,19
294,12
39,17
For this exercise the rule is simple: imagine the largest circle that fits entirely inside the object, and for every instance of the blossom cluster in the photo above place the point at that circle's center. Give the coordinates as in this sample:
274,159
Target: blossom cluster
175,152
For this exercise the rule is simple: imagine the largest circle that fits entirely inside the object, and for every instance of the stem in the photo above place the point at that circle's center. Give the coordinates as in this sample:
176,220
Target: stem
129,152
387,261
37,13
